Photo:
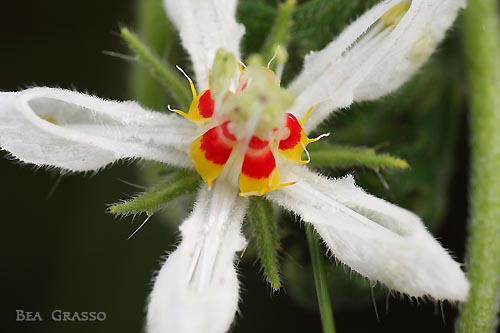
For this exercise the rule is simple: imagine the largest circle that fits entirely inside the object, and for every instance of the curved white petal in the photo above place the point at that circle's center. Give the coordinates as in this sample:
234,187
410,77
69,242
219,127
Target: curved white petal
196,290
373,237
77,132
371,59
204,27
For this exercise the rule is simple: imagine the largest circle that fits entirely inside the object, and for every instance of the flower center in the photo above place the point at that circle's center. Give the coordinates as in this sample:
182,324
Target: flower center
248,132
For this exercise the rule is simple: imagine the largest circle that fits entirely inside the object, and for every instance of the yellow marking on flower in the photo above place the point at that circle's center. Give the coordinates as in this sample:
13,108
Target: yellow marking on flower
250,186
395,13
294,144
210,152
258,187
50,119
202,106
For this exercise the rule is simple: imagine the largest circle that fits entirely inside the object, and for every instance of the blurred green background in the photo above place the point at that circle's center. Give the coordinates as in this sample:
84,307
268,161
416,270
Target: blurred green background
60,250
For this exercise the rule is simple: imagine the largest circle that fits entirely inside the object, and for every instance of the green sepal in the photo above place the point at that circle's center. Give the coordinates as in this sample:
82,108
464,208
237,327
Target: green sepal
179,183
335,156
168,76
280,31
261,218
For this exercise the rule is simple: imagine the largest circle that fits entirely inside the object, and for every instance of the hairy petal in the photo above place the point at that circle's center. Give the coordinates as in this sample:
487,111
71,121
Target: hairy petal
205,26
373,237
77,132
196,290
374,56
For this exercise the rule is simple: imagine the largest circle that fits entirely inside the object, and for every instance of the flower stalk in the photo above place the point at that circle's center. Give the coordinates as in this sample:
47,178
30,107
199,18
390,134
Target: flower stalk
158,33
482,35
280,33
170,79
318,264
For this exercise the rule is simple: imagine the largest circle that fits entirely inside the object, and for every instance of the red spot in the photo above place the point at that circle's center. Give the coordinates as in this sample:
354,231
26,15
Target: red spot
257,143
294,137
217,149
206,104
259,164
226,132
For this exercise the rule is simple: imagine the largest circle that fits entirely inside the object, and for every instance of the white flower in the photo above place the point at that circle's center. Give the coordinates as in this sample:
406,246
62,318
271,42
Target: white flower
197,288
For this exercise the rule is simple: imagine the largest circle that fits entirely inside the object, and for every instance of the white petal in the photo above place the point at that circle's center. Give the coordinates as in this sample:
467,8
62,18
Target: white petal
78,132
205,26
196,290
365,62
373,237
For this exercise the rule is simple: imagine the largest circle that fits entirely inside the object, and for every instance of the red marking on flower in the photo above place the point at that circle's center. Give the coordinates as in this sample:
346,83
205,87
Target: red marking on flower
226,132
206,104
259,163
257,143
216,146
293,139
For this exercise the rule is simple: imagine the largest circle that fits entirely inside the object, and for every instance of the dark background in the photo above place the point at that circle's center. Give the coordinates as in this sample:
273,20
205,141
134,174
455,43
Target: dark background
59,248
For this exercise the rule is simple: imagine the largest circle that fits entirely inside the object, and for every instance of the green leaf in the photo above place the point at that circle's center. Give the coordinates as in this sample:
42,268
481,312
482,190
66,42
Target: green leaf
261,218
180,183
175,83
334,156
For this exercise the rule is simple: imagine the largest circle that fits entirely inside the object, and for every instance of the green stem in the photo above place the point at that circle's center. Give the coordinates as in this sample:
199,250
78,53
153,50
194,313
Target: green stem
318,264
482,34
157,32
164,72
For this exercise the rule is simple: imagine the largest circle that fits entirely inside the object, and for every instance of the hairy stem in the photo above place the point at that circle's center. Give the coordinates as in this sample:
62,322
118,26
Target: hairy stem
482,35
155,30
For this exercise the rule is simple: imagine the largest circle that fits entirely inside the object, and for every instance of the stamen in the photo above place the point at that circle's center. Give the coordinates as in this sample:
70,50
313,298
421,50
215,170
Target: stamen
308,113
191,84
307,153
179,112
241,66
273,57
324,135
